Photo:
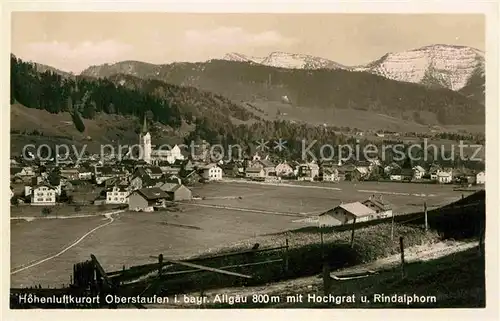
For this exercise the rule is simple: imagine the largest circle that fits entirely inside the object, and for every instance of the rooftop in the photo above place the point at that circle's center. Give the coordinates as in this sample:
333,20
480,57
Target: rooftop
153,193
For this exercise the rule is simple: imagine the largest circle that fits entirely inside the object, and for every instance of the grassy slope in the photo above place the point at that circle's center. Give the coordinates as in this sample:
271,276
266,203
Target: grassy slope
352,118
59,129
456,280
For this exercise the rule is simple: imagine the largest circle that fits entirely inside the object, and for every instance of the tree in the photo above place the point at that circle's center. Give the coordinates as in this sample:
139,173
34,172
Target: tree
78,121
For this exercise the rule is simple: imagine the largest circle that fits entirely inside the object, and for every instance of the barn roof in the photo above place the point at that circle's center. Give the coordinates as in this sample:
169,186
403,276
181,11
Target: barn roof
357,209
153,193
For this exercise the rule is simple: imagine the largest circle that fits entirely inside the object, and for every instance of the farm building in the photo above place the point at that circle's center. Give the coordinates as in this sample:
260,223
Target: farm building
254,172
403,174
381,207
177,192
268,166
146,199
345,214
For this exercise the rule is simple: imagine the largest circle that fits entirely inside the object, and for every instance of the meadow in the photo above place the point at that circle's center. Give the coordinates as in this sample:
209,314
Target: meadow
198,227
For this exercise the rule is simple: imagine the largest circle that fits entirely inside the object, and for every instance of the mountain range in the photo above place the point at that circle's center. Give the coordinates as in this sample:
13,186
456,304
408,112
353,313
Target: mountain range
448,66
407,91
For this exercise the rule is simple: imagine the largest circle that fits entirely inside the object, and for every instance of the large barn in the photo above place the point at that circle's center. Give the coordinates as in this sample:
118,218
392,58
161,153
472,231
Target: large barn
345,214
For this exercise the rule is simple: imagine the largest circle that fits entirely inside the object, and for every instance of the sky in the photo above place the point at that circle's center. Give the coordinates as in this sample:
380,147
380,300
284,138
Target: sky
73,41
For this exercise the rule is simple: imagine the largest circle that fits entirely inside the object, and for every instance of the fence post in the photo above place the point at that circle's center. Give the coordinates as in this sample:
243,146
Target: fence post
392,227
160,264
425,213
352,233
322,244
327,280
286,257
402,248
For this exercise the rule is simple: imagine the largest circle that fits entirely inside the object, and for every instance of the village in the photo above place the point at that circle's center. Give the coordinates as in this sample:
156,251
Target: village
160,179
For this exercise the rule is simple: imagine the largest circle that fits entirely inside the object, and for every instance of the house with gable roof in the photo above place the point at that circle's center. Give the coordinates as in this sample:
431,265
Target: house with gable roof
346,214
147,199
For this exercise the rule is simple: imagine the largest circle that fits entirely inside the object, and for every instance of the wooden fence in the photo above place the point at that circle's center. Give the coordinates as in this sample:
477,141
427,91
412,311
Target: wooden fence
89,279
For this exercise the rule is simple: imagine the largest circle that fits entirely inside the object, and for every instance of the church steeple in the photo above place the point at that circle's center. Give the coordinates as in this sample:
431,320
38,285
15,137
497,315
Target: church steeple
144,126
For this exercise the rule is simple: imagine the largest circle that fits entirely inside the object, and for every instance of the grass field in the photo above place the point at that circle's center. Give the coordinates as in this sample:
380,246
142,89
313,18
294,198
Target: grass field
133,237
312,200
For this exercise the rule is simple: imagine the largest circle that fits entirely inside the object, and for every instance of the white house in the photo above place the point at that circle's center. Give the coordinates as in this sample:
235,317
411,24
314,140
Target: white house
43,194
418,172
330,175
481,178
84,174
212,172
345,214
284,169
396,177
117,195
308,172
165,155
444,177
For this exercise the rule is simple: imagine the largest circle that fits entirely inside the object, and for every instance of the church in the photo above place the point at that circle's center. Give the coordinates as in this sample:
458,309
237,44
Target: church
156,157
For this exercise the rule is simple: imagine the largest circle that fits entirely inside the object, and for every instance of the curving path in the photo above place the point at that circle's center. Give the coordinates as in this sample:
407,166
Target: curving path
111,220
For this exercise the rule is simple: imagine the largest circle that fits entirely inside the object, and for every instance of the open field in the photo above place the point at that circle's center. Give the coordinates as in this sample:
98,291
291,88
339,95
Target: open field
59,210
133,237
314,198
34,240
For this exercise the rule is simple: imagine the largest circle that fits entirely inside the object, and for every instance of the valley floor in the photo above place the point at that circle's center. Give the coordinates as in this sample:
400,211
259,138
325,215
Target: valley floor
230,213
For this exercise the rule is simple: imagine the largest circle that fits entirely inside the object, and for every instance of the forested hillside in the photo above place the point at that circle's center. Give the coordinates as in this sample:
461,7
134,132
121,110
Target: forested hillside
209,116
324,88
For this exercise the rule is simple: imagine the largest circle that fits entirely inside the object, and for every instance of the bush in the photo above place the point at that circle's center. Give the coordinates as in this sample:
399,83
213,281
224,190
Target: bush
78,208
46,211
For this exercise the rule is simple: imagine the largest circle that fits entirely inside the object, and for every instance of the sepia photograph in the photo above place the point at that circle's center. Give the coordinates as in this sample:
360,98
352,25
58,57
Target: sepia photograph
169,160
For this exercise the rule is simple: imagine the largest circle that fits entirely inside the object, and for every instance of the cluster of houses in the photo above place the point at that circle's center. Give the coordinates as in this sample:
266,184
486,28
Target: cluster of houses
262,168
44,183
140,185
163,176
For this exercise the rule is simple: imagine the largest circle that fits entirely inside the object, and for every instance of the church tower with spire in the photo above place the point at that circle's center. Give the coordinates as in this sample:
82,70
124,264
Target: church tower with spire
145,142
